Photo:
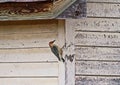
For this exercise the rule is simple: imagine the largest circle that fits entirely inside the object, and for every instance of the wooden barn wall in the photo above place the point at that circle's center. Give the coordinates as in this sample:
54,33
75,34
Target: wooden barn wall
25,58
97,41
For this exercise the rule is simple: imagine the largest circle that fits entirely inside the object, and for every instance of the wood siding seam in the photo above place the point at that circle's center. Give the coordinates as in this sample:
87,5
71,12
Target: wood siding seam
79,60
97,63
109,1
28,77
97,31
31,62
98,75
103,2
88,16
97,46
25,56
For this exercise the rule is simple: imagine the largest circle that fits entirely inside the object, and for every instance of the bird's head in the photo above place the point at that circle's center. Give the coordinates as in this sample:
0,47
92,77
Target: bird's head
51,43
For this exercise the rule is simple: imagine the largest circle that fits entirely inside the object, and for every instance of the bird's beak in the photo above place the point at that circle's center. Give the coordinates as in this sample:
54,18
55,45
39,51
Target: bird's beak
53,41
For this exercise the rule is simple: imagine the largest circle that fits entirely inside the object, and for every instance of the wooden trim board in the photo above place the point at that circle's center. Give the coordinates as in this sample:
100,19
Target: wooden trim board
69,54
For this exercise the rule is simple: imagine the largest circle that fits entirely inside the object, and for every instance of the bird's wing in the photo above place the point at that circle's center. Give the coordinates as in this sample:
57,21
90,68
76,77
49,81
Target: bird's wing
55,51
61,51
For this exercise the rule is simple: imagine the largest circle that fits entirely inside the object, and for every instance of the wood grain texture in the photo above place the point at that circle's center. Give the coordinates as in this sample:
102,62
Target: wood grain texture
42,9
28,27
97,24
24,0
97,39
103,10
23,34
25,58
112,1
26,40
28,69
97,44
61,42
27,55
97,53
97,80
29,81
69,54
97,68
24,8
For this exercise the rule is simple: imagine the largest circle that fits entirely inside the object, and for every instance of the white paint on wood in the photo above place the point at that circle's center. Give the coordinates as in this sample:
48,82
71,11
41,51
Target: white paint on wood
97,39
61,73
27,55
97,68
28,69
28,27
97,24
25,58
69,54
26,40
61,42
103,10
28,81
97,80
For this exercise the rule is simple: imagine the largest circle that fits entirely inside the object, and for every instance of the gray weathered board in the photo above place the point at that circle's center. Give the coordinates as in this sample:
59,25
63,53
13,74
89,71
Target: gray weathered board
110,1
97,44
97,80
103,10
97,68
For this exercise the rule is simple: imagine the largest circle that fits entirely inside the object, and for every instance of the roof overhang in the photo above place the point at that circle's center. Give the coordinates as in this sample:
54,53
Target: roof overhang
32,9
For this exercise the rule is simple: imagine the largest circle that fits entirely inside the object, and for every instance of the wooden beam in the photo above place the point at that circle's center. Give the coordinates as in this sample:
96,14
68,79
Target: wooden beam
69,54
61,42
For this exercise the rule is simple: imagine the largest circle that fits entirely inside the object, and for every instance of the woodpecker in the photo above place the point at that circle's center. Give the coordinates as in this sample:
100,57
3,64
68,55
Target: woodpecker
57,51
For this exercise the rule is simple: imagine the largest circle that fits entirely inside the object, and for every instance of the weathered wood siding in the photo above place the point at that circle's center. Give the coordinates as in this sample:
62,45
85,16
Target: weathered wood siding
97,41
25,57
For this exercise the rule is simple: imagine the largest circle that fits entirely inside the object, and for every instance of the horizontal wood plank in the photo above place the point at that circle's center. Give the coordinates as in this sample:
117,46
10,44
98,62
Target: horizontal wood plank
97,68
97,24
28,27
97,39
28,69
97,53
27,55
112,1
26,40
28,81
97,80
103,10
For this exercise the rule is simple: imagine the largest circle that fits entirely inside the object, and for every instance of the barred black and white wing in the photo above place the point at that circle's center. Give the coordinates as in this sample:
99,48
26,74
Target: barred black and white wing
55,50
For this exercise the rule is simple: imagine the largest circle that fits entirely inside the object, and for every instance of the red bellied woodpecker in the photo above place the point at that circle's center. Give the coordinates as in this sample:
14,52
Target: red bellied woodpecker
57,51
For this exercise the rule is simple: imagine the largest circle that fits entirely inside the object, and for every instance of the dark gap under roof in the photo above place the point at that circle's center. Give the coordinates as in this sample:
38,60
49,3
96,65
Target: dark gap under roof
3,1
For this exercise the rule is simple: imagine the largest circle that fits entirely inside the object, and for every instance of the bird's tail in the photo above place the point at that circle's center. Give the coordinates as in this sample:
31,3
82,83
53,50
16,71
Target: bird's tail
63,59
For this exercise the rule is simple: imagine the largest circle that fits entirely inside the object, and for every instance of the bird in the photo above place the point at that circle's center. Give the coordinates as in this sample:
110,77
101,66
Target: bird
56,50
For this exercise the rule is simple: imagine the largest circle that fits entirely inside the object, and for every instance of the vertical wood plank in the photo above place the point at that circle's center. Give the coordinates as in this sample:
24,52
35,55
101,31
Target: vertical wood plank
69,54
61,42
